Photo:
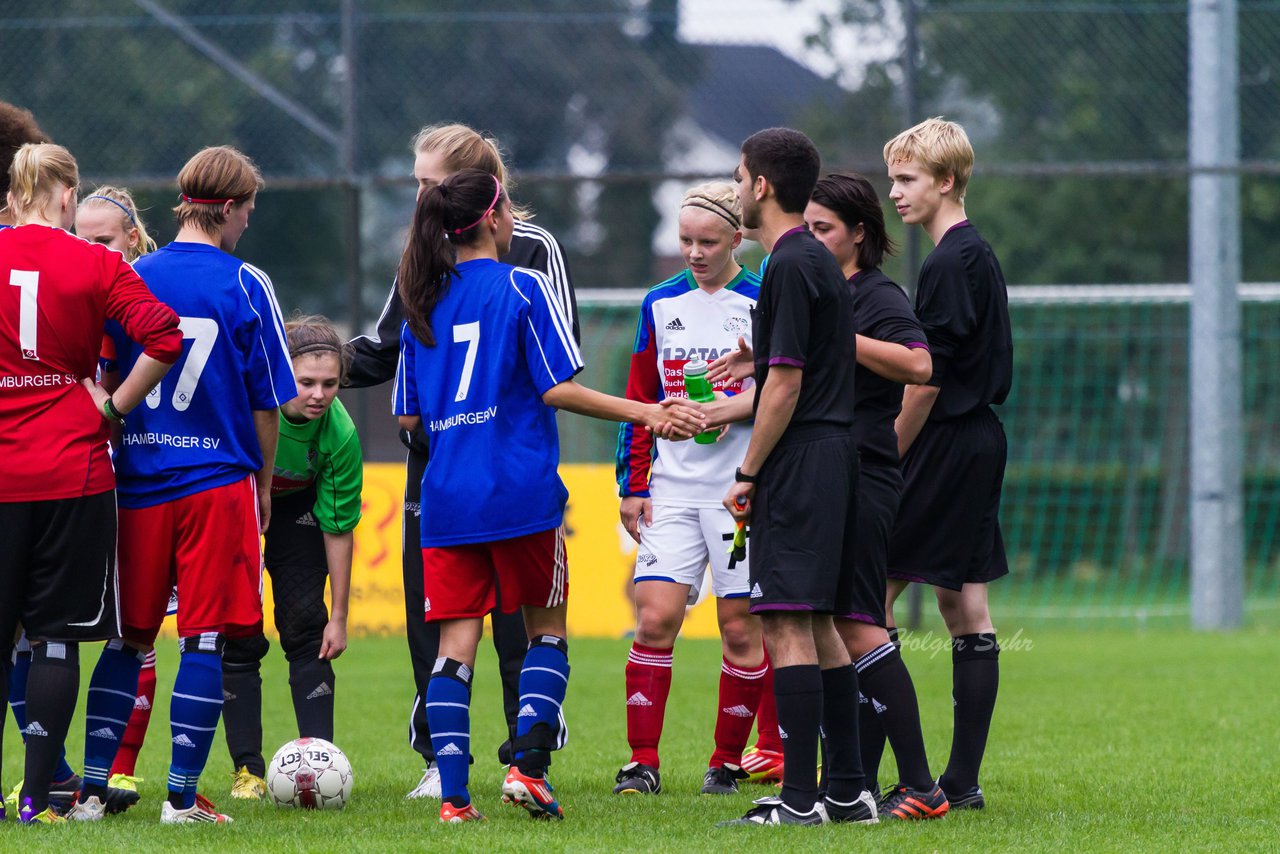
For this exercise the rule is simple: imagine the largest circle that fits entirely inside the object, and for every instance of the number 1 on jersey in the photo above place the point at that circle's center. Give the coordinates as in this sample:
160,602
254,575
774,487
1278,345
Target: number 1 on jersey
470,333
28,313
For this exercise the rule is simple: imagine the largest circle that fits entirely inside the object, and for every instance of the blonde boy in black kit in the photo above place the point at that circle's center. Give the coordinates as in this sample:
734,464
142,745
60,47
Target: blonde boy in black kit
952,444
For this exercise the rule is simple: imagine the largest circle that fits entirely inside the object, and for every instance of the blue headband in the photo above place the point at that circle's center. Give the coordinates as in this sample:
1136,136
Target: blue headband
131,217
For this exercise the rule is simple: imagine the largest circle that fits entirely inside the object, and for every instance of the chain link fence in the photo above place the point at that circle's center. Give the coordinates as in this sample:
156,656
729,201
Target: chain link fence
608,109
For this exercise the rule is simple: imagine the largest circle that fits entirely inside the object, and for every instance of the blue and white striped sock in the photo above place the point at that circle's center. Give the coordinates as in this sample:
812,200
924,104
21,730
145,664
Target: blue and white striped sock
543,682
449,719
193,714
112,690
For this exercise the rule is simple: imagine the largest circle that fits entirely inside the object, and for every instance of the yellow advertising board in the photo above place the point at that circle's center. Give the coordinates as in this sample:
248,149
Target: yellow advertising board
601,557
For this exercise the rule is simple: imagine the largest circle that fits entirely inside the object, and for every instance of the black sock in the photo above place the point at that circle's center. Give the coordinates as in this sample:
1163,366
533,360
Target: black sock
891,699
311,682
4,707
242,715
52,689
975,678
871,733
842,767
798,691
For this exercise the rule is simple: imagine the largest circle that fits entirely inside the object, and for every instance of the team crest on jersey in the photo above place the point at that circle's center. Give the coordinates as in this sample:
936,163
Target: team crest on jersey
737,325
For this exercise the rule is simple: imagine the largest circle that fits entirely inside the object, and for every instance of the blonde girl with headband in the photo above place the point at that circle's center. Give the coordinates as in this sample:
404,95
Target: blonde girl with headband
487,357
671,495
440,151
109,216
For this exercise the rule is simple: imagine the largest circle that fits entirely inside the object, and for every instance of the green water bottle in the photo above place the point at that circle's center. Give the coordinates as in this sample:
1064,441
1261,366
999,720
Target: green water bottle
698,387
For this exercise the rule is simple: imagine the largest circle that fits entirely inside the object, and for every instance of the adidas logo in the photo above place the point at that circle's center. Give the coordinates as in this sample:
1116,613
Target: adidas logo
756,592
426,605
307,519
322,690
738,711
143,704
526,711
675,325
105,732
862,698
449,749
878,706
227,696
782,733
638,699
182,741
34,728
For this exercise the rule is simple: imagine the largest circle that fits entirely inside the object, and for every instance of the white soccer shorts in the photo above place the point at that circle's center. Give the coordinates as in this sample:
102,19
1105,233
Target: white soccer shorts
682,542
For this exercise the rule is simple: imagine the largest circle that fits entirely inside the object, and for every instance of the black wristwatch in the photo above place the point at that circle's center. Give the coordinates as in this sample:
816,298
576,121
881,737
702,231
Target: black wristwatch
742,477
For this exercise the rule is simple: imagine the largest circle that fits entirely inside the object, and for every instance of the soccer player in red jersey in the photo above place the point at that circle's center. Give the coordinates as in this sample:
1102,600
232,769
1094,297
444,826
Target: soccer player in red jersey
58,518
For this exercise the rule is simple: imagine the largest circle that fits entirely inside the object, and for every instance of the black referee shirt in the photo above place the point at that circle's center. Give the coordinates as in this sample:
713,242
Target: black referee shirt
963,305
805,319
884,313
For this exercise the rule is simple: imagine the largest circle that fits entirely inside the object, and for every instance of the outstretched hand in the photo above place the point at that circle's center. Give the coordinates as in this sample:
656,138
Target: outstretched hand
737,365
675,418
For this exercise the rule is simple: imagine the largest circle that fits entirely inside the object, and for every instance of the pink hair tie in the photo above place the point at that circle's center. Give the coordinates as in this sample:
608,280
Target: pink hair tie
497,194
190,200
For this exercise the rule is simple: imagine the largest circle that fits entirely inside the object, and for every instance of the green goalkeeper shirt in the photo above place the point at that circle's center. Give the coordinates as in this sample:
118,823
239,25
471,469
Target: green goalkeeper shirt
324,454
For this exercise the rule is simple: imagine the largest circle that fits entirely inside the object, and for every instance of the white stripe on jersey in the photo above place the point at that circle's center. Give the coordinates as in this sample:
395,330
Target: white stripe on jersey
574,357
563,330
556,269
277,322
542,353
386,307
400,390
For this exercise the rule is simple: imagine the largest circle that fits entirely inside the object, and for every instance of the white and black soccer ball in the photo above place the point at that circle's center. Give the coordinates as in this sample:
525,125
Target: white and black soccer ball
309,773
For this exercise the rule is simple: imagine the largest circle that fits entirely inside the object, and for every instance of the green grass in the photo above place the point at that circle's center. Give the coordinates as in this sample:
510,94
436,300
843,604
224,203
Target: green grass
1102,741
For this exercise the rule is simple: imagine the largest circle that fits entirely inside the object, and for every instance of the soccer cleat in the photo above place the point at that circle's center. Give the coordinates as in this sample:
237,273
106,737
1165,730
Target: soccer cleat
202,812
907,804
124,782
63,793
449,814
861,811
970,800
773,811
11,799
636,779
90,809
722,780
429,785
534,794
762,766
28,815
248,786
120,799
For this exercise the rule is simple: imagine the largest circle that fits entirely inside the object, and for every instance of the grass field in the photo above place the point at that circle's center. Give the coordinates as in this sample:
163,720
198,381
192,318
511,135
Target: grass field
1102,741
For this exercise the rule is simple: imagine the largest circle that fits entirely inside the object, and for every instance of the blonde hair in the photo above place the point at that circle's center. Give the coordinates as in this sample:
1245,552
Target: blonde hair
940,146
213,176
121,201
314,334
38,171
720,198
466,148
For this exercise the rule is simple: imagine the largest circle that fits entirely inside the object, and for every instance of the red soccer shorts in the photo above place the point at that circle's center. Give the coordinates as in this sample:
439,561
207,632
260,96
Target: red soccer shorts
208,545
464,581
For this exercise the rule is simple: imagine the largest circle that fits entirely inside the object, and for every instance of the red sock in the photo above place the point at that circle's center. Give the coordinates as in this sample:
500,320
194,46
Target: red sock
648,684
134,734
739,699
767,737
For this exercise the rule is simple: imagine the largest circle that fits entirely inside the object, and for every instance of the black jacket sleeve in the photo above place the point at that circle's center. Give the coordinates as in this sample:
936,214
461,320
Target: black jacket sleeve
375,356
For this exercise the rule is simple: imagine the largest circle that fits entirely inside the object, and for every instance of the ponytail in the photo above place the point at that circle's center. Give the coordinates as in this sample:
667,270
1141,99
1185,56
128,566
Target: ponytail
37,172
445,216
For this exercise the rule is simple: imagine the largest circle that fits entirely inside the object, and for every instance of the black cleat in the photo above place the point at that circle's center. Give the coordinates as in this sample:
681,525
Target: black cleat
774,811
723,779
907,804
637,779
63,794
861,811
119,800
969,800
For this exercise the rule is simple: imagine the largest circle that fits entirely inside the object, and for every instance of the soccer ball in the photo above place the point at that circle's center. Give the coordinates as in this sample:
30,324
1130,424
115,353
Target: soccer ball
309,773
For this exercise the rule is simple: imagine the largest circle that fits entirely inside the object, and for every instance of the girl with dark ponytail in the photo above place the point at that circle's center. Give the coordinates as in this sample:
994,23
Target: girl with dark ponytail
487,356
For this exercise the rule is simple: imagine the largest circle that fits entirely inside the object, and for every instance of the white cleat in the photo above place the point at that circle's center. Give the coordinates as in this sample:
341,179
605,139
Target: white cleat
203,812
429,785
90,809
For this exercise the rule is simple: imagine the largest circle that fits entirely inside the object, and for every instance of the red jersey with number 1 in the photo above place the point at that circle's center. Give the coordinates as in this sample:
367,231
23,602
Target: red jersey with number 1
56,293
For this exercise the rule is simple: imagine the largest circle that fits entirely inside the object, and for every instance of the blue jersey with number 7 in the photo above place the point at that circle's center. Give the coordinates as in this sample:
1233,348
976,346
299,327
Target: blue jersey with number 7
501,342
195,430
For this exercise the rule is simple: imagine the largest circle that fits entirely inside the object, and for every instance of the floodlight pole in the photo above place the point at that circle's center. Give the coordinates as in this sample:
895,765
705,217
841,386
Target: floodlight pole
1217,505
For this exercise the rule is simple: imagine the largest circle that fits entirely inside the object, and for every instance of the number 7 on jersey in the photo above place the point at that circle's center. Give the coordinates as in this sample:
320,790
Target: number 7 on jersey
470,334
